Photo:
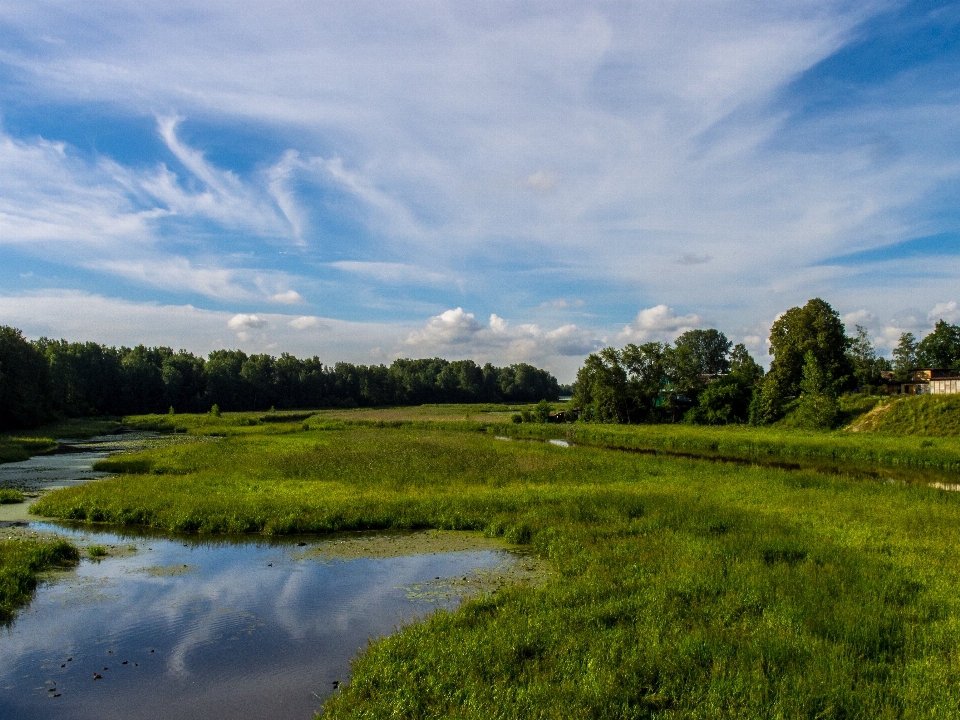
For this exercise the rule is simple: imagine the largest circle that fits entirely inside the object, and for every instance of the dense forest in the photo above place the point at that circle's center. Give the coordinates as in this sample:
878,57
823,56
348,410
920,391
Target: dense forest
46,379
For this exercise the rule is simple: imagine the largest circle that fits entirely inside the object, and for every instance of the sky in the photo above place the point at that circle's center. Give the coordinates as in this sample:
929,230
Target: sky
502,181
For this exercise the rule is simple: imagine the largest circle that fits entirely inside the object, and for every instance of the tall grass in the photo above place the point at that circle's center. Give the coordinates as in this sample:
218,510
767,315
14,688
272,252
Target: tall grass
683,589
20,561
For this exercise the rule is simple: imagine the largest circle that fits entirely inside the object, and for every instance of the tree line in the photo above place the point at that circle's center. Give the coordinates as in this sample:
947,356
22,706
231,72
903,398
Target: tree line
703,378
46,379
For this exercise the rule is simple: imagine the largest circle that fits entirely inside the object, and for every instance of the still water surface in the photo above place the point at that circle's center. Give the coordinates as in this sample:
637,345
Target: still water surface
192,629
179,627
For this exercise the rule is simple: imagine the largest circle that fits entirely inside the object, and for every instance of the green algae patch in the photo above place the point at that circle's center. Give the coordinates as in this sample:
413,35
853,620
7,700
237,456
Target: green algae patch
402,544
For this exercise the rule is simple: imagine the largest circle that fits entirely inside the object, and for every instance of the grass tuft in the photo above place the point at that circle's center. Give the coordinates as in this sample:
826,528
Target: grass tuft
20,562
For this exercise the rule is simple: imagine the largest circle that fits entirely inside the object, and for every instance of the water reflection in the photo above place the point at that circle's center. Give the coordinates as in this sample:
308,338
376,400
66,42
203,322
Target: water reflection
208,630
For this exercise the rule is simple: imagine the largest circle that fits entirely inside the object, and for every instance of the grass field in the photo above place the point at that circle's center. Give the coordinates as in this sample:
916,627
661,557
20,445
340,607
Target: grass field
683,588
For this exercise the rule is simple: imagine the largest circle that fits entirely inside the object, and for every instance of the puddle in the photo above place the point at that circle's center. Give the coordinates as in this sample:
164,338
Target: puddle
221,629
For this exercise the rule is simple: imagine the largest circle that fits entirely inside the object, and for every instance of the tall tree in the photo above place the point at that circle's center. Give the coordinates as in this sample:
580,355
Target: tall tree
867,364
905,356
815,328
24,381
941,348
818,406
727,399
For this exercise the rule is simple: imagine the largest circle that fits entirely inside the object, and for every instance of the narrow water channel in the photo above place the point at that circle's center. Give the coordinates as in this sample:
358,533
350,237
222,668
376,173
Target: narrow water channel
184,627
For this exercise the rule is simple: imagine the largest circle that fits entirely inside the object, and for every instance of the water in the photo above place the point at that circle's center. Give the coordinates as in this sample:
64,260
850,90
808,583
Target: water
189,629
72,464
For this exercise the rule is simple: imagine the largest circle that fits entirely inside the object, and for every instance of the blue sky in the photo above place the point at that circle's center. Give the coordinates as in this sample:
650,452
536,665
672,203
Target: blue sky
502,181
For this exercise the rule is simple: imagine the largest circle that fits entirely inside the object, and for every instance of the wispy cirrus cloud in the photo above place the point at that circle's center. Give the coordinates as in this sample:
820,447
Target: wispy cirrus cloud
730,159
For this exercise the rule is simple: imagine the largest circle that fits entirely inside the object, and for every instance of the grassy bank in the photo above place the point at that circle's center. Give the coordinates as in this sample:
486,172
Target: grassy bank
924,415
22,445
20,562
683,589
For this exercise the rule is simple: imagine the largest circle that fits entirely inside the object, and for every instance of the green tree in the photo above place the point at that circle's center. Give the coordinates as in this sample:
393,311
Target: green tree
24,382
941,348
818,407
867,364
814,328
709,350
905,356
601,393
541,411
727,399
648,368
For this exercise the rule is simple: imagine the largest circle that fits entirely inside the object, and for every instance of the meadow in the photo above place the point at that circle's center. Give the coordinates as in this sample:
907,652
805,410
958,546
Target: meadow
683,588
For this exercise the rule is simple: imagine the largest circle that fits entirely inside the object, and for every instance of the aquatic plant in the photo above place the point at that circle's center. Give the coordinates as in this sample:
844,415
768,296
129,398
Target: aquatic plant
20,561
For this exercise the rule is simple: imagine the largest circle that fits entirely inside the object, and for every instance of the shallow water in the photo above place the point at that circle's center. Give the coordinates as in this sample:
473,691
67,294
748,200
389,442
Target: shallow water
72,463
189,629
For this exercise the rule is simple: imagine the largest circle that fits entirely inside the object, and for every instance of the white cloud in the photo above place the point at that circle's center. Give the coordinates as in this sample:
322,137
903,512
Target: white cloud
452,327
288,297
498,324
619,140
948,311
457,333
246,322
305,322
658,323
79,316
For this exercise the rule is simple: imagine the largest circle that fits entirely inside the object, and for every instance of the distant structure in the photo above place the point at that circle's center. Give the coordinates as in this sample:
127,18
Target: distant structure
925,381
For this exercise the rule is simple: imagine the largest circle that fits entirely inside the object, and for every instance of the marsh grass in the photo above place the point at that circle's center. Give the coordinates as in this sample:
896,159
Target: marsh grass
683,589
10,496
20,562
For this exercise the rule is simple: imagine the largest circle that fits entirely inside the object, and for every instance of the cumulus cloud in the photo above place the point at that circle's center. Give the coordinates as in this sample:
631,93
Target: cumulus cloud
458,333
453,327
658,323
948,311
246,322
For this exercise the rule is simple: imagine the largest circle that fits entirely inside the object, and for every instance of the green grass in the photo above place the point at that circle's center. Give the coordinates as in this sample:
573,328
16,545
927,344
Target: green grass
97,551
683,589
763,445
20,562
923,415
10,496
15,449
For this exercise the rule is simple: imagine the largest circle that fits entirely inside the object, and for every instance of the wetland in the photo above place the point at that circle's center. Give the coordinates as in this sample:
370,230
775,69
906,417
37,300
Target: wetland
763,586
